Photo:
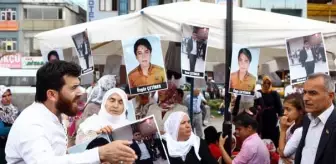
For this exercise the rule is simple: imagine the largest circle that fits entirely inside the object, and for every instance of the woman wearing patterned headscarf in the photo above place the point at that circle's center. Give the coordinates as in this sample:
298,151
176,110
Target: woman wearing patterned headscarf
182,145
8,112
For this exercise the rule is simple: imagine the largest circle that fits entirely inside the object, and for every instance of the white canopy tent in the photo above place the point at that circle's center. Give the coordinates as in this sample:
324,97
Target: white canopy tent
252,28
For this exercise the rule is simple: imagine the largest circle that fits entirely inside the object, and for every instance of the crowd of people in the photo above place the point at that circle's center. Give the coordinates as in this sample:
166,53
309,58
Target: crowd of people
300,129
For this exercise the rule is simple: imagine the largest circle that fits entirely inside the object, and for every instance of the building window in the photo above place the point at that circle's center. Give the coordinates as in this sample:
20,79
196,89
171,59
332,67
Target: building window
292,12
143,4
108,5
43,13
114,5
161,2
8,44
123,7
8,14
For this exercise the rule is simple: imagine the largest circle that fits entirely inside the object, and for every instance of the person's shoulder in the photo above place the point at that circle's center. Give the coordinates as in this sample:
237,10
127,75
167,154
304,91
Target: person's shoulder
234,73
157,68
251,77
134,72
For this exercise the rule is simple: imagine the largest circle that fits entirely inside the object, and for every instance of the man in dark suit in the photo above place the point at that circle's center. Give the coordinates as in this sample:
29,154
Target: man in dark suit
85,49
141,149
308,58
318,141
192,50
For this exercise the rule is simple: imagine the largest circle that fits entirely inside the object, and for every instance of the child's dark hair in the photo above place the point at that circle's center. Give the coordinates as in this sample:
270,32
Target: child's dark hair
296,100
245,120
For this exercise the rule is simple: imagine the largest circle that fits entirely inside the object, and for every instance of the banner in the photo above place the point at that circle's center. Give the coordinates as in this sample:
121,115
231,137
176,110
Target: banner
194,50
144,64
244,70
306,55
11,61
84,53
32,62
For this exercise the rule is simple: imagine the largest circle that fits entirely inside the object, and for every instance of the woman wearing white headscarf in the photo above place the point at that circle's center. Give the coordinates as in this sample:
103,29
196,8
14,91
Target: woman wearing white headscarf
112,114
182,145
95,99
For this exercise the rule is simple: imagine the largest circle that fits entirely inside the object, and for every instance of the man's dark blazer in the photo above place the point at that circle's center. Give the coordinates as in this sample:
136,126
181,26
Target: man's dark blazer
190,46
137,150
326,151
304,56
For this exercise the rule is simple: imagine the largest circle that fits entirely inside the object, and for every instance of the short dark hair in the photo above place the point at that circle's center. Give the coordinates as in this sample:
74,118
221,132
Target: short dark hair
245,120
51,76
305,41
136,131
180,92
53,53
210,135
246,52
144,42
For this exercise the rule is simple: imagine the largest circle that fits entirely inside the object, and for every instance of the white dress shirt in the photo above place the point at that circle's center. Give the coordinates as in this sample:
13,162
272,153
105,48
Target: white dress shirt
293,143
38,137
144,150
314,135
310,56
194,50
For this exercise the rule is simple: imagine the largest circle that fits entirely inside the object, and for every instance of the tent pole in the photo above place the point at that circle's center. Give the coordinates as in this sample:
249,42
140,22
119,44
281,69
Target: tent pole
227,125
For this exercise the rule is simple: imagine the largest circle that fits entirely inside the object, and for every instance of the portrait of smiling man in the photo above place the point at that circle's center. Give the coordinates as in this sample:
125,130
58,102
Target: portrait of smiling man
146,73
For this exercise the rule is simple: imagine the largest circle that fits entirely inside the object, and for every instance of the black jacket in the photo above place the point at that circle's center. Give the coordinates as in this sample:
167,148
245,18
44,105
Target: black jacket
326,151
191,158
137,150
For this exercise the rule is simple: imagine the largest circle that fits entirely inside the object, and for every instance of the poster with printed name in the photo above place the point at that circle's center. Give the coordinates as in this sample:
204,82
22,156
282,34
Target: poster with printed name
194,50
144,64
84,52
244,70
306,55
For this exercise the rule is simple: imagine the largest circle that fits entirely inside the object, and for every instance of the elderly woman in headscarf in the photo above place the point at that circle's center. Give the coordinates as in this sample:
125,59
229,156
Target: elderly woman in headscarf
95,99
8,112
169,101
182,145
271,111
112,115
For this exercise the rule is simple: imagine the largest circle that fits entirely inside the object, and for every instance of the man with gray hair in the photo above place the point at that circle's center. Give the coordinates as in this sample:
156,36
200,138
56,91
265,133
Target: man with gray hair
318,141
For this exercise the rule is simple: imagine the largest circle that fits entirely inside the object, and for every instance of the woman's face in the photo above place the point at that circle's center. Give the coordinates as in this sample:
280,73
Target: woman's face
291,112
6,98
243,62
114,104
185,128
266,84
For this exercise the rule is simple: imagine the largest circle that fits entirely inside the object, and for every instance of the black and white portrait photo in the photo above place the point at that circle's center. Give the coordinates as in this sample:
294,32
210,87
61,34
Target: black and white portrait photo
83,48
306,55
194,50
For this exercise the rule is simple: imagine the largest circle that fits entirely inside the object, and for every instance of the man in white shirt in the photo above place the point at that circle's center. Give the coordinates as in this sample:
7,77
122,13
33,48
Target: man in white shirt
197,121
192,50
141,149
318,142
307,57
38,137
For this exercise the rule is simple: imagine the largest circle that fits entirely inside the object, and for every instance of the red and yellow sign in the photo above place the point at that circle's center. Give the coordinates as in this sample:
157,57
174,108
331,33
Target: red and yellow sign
9,25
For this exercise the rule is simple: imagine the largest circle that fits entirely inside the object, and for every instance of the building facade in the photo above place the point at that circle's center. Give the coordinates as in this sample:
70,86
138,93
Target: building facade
100,9
288,7
21,20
